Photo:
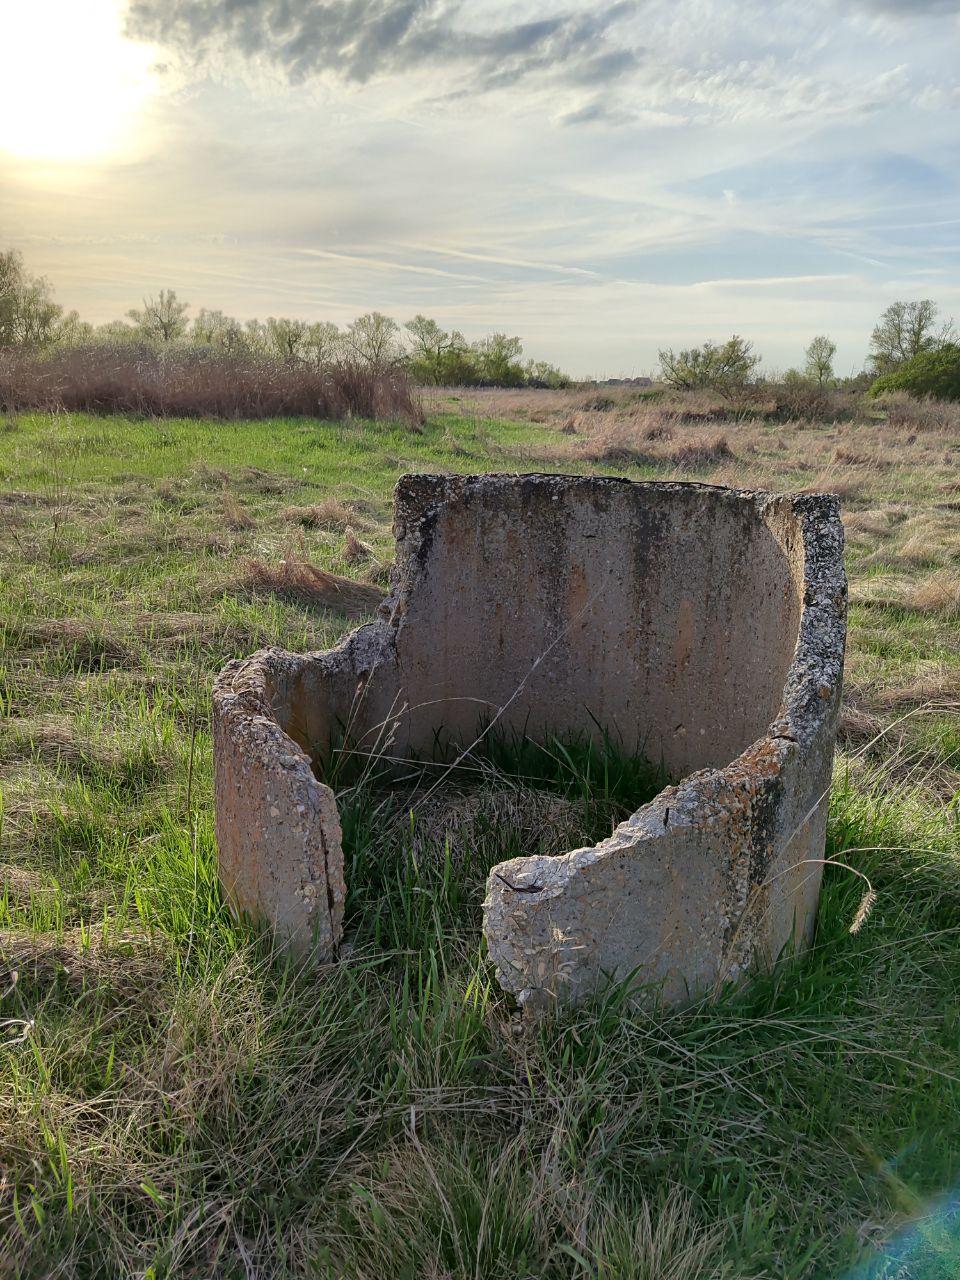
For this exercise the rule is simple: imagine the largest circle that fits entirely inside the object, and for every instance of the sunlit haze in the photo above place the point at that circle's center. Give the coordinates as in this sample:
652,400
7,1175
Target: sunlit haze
71,86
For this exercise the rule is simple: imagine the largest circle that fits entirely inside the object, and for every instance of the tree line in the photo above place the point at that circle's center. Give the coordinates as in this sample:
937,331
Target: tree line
431,355
910,349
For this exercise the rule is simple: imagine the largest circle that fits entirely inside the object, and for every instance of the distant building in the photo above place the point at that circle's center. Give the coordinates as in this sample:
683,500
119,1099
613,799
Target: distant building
623,382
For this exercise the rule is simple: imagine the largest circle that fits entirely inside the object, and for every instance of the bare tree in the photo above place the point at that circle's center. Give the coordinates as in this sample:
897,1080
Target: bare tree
163,317
819,355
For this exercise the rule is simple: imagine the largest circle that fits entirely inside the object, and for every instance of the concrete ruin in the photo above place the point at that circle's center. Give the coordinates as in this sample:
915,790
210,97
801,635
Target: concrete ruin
703,627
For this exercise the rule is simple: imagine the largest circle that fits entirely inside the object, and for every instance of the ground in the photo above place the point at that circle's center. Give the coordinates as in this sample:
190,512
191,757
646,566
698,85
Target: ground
176,1102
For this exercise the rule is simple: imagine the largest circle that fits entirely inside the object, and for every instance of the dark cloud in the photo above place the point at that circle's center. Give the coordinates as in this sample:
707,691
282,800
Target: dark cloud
360,40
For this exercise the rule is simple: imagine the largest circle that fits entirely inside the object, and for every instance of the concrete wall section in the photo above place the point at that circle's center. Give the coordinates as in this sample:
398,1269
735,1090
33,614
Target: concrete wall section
702,626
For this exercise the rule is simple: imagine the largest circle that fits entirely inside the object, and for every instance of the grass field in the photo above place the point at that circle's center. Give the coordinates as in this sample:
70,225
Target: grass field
176,1102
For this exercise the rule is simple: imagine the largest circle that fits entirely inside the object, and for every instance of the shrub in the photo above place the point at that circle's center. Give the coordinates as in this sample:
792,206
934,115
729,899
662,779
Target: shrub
906,412
799,397
192,382
728,369
931,373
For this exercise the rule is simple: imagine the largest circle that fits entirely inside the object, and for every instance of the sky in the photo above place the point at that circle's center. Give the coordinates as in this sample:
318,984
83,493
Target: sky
602,179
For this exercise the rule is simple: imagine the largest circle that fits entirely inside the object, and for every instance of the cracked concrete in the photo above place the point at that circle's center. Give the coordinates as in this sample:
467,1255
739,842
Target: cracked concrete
703,627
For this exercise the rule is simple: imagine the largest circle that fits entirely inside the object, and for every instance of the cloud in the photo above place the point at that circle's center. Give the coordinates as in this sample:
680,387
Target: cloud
911,8
363,40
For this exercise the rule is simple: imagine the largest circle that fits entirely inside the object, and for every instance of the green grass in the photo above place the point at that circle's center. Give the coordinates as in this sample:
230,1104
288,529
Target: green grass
177,1102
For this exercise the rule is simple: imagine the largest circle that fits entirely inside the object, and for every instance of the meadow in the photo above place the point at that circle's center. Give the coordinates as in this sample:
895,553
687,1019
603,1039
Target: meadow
176,1101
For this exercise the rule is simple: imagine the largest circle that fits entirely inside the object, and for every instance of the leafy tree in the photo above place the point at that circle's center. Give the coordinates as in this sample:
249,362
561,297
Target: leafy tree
38,315
113,332
257,336
538,373
11,282
727,368
214,329
819,354
375,340
438,357
905,330
28,314
287,338
71,330
163,318
930,373
498,360
323,344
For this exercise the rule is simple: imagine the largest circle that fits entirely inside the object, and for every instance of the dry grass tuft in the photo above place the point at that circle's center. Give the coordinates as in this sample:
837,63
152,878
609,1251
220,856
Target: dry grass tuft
829,481
641,439
850,458
296,579
331,514
928,688
207,477
875,524
617,443
920,548
657,426
905,412
50,737
266,482
701,451
379,573
353,549
937,593
21,885
235,515
857,725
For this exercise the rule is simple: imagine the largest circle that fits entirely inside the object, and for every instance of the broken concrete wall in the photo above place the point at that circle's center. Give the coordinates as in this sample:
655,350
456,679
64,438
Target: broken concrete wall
702,627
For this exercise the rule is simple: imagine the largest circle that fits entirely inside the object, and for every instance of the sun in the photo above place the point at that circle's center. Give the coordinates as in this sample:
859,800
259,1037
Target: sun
71,85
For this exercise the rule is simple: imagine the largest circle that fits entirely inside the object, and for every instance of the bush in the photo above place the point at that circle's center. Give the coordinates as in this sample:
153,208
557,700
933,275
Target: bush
191,382
906,412
931,373
729,369
799,397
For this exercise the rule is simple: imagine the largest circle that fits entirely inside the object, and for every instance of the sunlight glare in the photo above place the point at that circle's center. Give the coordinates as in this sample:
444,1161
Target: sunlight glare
71,84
